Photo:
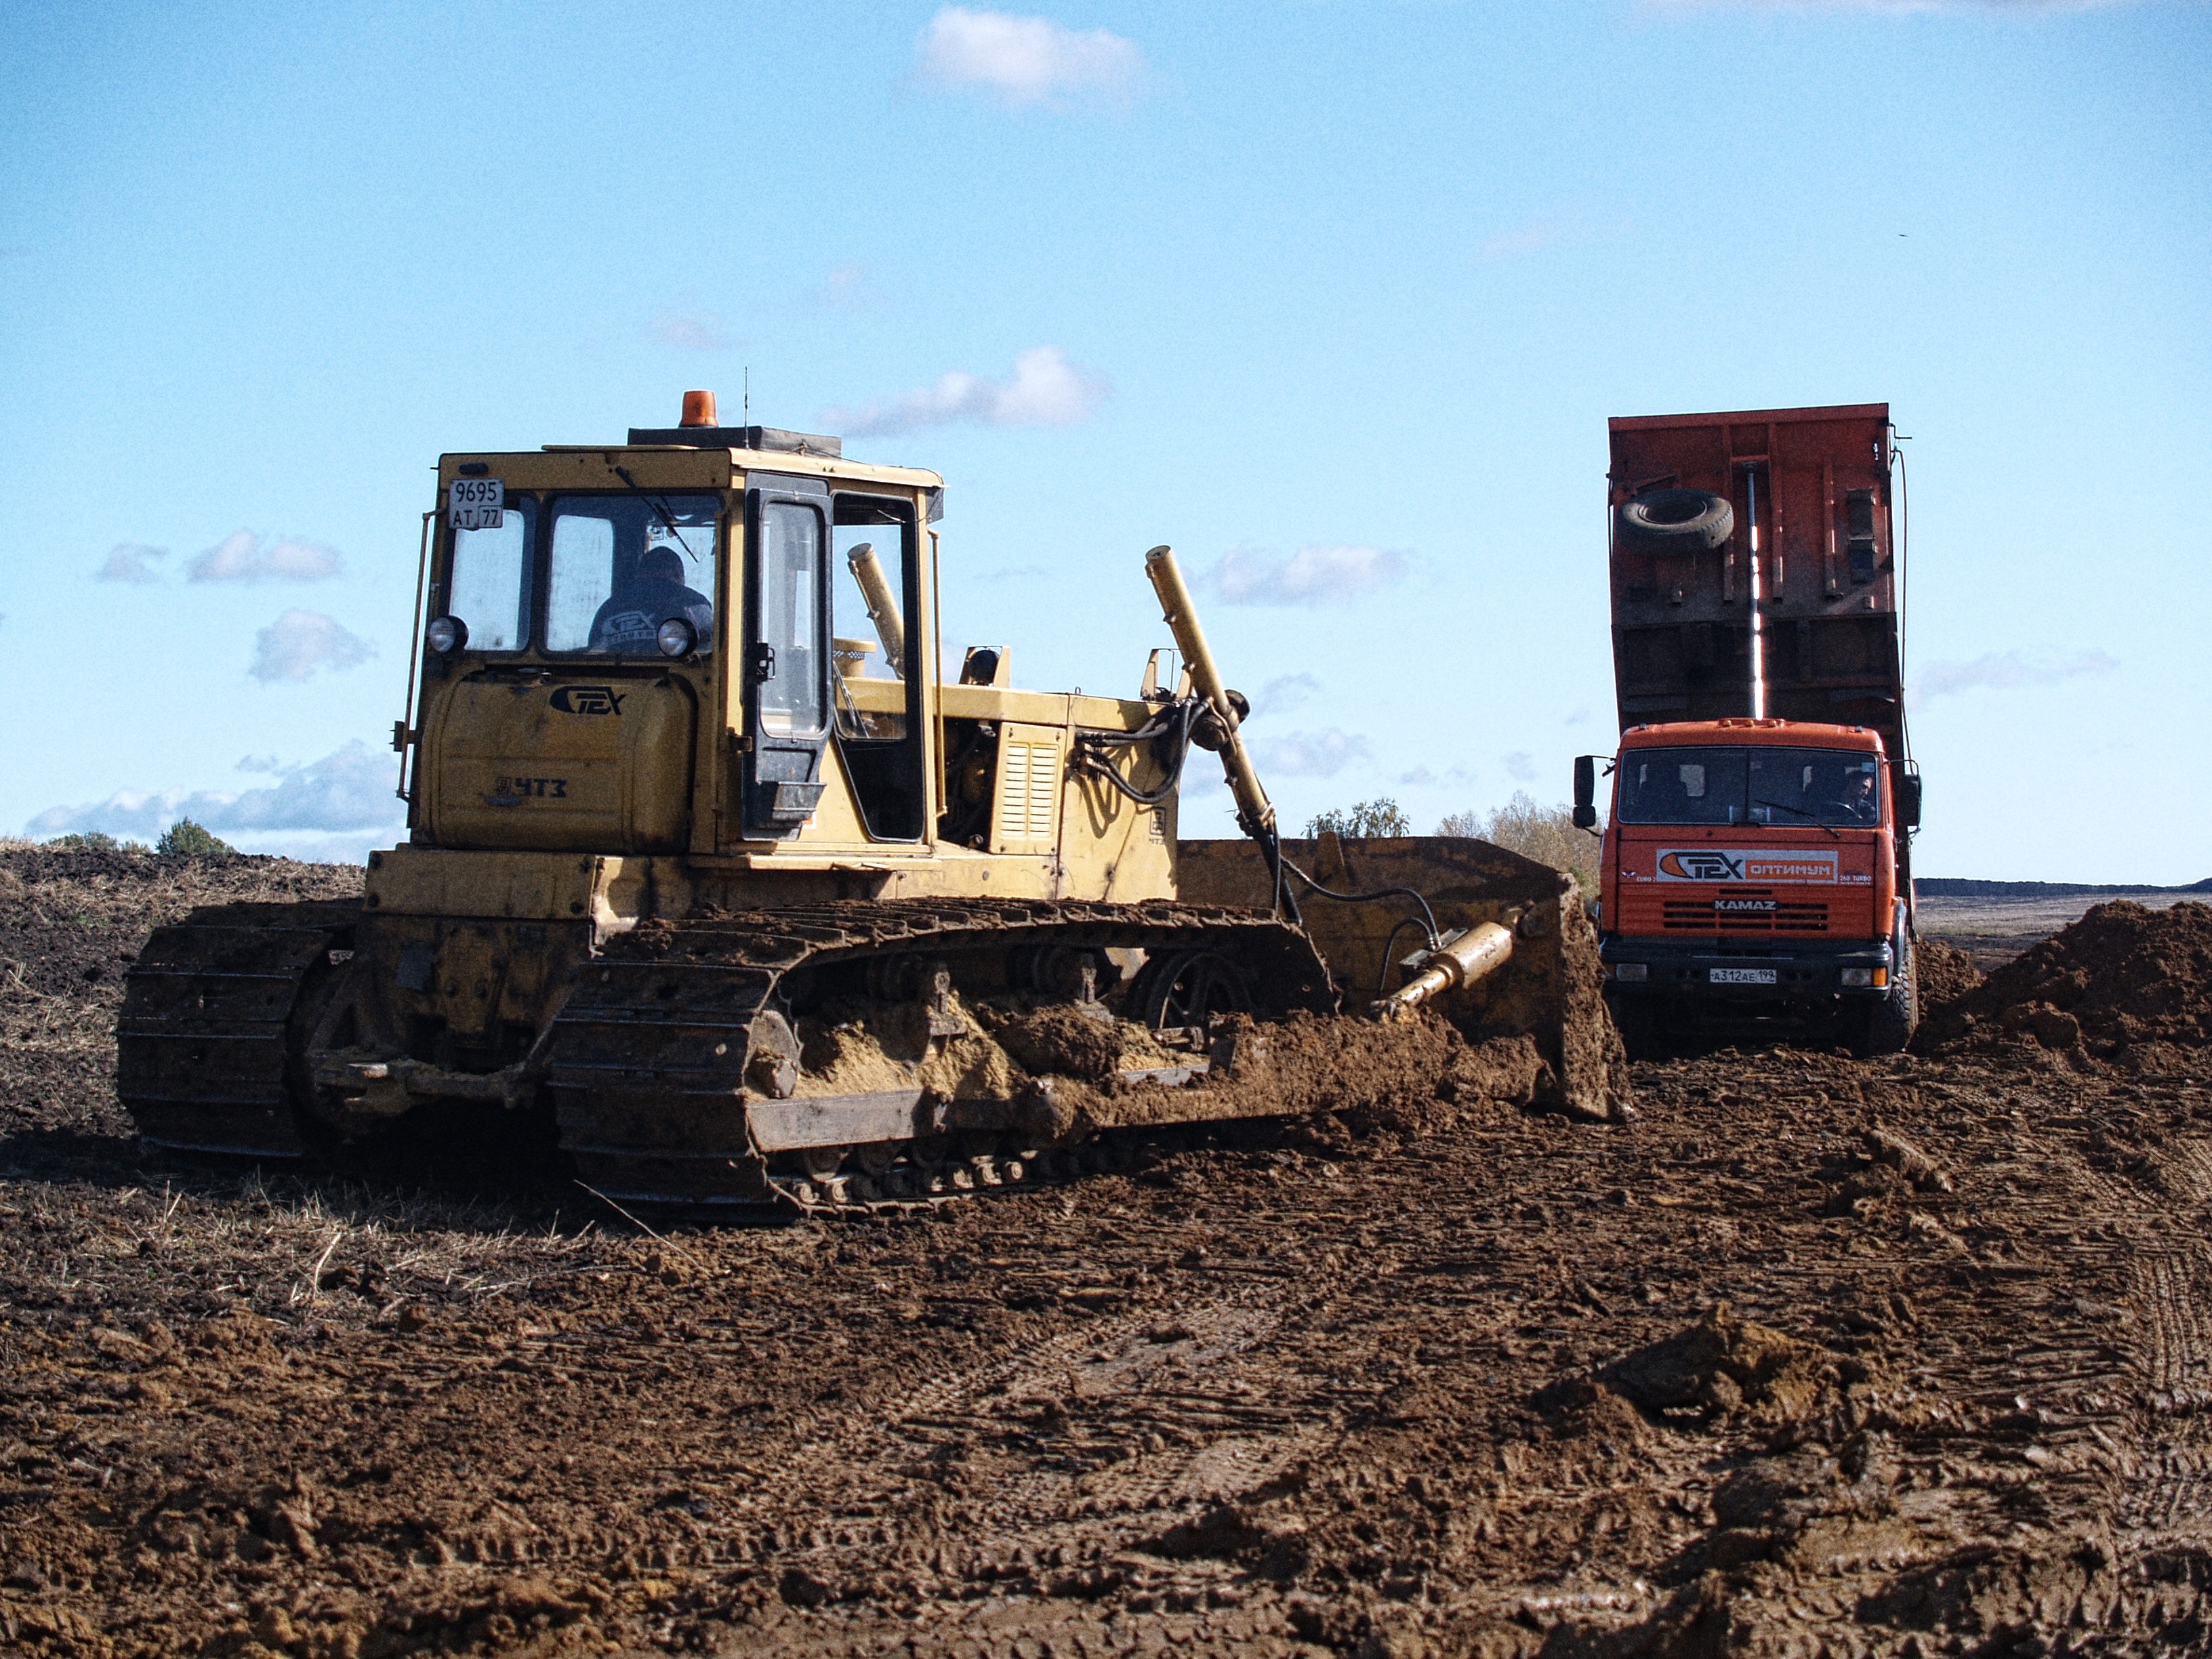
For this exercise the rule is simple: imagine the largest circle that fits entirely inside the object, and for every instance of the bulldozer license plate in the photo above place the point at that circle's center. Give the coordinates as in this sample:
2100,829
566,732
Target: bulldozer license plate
476,503
1739,976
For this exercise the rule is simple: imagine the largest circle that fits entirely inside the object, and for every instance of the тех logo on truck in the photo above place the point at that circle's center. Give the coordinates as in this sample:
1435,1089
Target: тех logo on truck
1744,864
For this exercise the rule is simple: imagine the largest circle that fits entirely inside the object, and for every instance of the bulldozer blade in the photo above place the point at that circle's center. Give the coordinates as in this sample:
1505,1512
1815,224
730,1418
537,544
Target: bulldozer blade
1550,990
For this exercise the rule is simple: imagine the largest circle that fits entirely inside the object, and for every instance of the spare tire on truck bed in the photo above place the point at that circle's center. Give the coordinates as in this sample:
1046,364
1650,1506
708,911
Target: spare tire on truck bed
1674,521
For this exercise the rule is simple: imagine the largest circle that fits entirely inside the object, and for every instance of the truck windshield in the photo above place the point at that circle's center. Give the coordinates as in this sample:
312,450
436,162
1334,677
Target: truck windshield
1750,784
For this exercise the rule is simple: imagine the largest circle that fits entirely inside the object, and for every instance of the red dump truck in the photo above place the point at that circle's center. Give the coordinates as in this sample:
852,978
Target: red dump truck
1757,862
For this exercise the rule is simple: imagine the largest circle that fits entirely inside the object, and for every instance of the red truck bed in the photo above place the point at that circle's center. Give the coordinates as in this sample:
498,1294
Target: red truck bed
1818,481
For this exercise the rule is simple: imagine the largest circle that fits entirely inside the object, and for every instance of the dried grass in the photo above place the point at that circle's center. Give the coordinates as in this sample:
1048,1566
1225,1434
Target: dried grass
1546,834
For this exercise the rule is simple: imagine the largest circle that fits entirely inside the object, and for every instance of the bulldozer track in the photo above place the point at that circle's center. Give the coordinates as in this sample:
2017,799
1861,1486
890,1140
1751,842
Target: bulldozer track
647,1060
204,1043
646,1063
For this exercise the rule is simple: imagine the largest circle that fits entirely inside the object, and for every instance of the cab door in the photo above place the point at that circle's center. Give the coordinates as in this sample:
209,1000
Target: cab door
786,664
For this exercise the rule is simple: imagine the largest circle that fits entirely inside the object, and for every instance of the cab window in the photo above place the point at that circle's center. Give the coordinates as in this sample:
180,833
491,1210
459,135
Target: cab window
791,620
873,627
487,579
622,566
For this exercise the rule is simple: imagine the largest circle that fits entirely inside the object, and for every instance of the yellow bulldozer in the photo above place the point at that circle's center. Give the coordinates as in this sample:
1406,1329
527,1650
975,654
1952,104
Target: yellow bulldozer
712,868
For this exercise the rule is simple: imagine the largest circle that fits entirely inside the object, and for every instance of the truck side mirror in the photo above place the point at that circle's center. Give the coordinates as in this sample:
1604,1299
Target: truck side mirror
1585,792
1906,787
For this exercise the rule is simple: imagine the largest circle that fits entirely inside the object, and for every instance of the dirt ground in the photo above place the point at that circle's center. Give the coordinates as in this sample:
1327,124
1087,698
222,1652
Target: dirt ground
1816,1356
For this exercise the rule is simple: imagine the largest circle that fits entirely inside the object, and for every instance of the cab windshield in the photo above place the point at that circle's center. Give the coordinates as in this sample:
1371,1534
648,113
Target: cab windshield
1748,784
621,565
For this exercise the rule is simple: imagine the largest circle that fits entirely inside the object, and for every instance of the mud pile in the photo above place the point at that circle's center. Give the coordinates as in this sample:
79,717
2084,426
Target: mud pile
1947,973
2124,983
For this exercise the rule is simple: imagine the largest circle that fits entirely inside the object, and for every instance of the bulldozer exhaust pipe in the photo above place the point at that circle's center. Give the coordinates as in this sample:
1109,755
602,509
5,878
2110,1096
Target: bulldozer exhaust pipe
1254,810
1461,959
883,605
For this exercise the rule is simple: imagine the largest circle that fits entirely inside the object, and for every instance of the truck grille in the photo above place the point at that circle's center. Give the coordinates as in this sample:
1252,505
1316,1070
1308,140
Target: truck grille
1752,911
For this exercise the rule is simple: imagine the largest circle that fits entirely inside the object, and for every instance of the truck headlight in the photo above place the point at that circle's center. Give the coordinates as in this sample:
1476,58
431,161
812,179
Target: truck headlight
677,637
1857,979
447,634
1631,972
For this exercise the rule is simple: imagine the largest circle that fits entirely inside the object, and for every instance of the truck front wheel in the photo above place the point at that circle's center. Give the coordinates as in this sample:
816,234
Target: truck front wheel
1891,1021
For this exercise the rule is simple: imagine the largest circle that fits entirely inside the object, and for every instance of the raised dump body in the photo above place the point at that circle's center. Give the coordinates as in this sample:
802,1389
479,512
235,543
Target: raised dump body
1757,858
1808,491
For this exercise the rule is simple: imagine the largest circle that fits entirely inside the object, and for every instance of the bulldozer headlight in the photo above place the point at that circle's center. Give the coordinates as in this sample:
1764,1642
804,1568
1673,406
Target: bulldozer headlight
447,634
677,637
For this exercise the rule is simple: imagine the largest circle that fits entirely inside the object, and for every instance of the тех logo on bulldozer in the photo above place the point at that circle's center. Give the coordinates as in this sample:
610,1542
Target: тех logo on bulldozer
587,700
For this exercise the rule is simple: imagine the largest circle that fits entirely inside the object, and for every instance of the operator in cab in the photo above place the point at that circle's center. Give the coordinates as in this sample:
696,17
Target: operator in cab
1859,803
628,623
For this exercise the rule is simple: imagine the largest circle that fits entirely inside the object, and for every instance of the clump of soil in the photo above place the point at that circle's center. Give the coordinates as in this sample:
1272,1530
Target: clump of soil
1722,1364
1947,973
2122,978
1063,1040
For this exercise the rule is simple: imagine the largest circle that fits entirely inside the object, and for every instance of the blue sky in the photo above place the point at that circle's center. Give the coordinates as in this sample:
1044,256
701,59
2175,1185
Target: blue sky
1336,299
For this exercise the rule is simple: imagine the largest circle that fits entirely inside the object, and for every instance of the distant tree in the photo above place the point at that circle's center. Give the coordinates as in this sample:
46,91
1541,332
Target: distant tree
1380,817
87,840
186,837
1546,834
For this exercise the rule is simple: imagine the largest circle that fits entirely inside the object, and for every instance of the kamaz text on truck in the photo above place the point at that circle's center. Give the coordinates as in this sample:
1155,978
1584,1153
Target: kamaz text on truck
1757,860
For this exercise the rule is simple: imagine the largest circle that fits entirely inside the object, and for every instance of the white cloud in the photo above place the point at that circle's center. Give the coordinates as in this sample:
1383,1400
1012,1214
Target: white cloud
1520,765
1312,754
300,641
2005,670
690,332
1580,716
1044,389
246,555
1024,60
1318,576
350,789
1281,696
846,286
1421,776
1537,233
130,561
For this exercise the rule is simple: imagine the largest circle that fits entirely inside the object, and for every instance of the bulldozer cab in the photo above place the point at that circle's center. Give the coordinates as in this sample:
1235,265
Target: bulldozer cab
721,644
655,650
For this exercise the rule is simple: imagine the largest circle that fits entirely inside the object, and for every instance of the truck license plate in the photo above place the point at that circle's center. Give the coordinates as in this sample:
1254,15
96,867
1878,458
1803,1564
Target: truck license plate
1740,976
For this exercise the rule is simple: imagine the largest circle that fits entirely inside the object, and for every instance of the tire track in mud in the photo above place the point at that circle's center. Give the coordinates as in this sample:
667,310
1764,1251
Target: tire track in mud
1094,1437
2171,1299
